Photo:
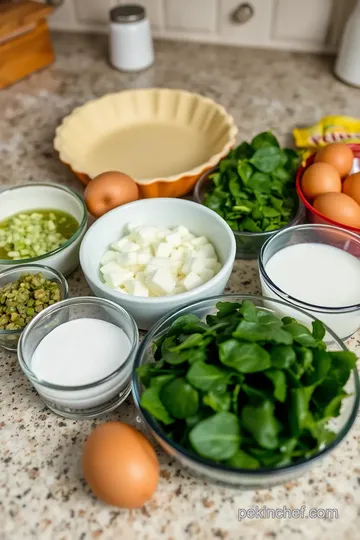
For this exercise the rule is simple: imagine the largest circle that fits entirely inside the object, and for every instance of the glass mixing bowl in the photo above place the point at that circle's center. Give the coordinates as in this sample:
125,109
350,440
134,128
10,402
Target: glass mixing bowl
248,244
219,473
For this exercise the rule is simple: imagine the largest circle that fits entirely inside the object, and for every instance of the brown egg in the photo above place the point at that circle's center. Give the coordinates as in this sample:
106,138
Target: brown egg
339,155
351,186
320,178
340,208
109,190
120,465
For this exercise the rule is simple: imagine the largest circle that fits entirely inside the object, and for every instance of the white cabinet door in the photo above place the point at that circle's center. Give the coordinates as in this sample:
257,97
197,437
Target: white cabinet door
255,31
306,21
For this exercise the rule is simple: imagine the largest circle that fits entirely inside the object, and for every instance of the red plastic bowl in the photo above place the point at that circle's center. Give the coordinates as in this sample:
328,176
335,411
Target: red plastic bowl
312,215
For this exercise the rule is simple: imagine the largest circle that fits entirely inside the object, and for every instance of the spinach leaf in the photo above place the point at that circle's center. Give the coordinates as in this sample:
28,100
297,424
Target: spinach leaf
249,311
203,376
299,409
144,374
292,160
342,363
218,402
193,340
176,358
282,174
260,182
179,398
235,186
320,365
250,225
242,460
262,424
150,400
332,409
216,437
301,334
243,151
181,322
318,330
267,158
266,317
305,359
262,332
327,390
282,356
278,378
245,172
263,140
256,395
321,433
225,308
167,344
159,381
244,357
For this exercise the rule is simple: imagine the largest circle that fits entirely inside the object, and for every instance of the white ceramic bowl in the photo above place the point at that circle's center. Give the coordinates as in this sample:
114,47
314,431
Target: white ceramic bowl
161,212
47,196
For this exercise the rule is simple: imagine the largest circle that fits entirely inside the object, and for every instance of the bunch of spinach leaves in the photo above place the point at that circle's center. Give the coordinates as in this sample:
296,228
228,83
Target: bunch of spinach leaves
253,188
246,388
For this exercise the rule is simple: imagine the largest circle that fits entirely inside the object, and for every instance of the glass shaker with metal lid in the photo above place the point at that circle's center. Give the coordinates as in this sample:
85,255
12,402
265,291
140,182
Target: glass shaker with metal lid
131,47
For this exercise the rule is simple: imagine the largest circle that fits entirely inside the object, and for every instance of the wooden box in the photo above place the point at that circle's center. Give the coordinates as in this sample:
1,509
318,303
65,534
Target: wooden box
25,42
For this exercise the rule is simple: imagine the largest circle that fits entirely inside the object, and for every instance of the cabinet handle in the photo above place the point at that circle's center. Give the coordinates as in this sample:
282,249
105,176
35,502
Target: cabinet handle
243,13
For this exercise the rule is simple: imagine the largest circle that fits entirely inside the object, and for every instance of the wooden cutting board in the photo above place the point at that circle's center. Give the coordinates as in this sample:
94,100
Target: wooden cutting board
25,43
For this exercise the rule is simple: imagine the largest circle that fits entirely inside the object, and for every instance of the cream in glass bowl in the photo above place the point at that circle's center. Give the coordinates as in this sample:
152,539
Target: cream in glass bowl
316,268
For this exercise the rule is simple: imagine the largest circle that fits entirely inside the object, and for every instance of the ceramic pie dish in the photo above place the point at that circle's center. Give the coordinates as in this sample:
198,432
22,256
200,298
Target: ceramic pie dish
165,139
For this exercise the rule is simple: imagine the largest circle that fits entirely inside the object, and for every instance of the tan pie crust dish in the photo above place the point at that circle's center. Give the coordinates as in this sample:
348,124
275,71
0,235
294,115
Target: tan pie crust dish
165,139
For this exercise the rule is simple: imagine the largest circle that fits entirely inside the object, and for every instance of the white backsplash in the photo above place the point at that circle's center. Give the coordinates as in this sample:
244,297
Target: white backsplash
303,25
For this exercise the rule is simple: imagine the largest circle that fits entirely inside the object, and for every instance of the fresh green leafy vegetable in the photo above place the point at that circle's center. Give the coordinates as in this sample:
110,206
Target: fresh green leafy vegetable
203,376
179,398
254,186
216,437
246,388
242,460
262,424
244,357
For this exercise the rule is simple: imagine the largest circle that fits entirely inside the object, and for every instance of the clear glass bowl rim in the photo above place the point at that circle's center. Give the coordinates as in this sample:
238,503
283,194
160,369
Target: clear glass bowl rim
38,268
267,471
64,304
69,241
266,234
291,299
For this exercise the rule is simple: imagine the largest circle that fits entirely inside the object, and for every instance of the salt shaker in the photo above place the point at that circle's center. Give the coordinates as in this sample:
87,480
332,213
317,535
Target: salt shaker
347,65
131,47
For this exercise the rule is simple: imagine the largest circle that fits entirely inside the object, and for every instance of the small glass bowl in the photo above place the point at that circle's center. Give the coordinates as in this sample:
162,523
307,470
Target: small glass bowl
92,399
248,244
219,473
9,338
40,196
344,321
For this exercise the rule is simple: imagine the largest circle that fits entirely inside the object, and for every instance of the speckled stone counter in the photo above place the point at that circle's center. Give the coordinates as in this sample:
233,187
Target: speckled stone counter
42,495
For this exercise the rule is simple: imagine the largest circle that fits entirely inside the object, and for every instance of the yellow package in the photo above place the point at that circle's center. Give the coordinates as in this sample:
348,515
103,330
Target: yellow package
330,129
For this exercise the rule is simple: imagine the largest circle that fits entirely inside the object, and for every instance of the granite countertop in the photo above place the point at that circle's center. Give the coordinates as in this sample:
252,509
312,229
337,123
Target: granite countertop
42,494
